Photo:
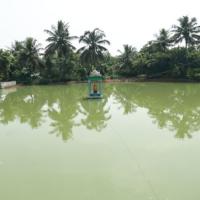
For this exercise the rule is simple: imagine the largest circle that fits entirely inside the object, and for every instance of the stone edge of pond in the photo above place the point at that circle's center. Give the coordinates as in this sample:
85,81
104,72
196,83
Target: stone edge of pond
122,80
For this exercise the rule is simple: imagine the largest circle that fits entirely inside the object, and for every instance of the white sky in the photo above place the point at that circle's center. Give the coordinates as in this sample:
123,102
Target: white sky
131,22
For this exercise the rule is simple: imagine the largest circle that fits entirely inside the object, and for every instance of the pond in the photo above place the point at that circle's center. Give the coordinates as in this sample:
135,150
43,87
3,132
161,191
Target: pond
140,142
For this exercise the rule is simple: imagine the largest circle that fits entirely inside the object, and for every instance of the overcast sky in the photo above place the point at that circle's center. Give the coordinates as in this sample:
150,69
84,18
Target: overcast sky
131,22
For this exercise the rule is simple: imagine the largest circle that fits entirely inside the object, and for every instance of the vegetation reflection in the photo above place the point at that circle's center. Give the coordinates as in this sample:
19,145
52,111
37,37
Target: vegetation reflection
57,105
172,106
96,114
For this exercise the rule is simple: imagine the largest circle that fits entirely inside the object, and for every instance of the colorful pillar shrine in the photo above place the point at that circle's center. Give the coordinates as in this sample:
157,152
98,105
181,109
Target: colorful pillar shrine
95,81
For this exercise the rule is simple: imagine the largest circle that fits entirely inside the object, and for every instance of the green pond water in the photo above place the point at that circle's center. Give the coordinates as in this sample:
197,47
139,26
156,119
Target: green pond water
141,142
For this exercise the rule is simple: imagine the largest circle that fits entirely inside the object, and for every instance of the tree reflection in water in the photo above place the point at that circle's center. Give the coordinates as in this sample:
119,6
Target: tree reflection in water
24,105
63,111
60,105
96,114
172,106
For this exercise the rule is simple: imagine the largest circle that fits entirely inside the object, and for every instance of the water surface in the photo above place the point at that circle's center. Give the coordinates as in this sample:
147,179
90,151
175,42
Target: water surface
142,142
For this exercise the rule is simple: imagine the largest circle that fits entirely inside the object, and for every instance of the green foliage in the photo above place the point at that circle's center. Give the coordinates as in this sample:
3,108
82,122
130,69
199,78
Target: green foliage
59,55
92,54
163,41
27,65
187,31
126,60
6,64
59,40
26,62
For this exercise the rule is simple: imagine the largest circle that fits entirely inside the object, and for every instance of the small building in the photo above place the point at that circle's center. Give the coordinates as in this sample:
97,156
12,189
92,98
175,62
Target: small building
95,88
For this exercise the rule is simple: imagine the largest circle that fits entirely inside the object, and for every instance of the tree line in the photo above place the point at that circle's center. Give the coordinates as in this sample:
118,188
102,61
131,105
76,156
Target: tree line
174,53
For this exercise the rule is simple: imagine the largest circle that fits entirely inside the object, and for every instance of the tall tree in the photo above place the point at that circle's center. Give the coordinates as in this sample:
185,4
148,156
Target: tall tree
30,56
27,59
126,58
187,31
163,40
59,40
31,51
60,50
93,51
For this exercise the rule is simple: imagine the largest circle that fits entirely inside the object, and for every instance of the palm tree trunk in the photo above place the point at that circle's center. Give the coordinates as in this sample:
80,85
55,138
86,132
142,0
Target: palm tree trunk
186,44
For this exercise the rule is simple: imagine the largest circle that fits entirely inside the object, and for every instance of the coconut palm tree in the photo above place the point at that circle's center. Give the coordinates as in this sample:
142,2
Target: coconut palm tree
16,47
187,31
31,50
93,52
30,54
60,49
59,40
163,40
126,58
27,59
